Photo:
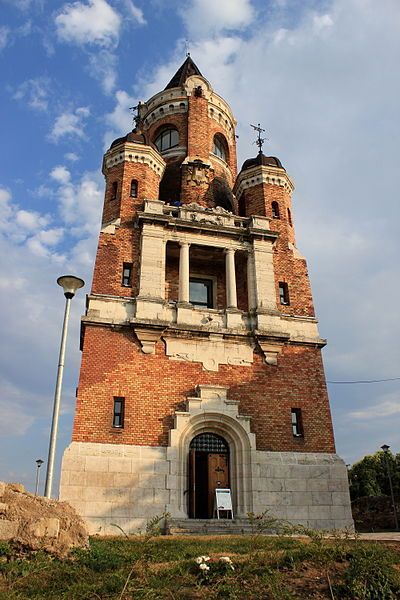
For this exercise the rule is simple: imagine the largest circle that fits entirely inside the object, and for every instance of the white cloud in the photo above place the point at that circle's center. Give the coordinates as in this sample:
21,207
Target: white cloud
5,208
322,22
207,18
60,174
21,4
119,121
136,12
388,406
34,92
103,67
70,124
94,23
71,156
4,36
31,220
51,237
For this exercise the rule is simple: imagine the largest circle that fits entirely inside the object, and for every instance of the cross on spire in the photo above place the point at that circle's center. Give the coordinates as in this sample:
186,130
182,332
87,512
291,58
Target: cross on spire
259,141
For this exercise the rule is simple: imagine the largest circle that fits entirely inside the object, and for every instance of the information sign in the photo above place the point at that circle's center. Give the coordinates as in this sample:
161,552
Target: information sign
223,500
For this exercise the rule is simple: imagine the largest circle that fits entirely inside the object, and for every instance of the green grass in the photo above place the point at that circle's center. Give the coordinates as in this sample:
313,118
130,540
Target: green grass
276,568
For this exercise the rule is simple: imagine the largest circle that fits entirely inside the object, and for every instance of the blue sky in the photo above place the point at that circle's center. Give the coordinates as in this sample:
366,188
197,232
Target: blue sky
321,76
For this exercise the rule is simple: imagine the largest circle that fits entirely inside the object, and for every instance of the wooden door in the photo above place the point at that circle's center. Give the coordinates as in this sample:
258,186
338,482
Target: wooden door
218,477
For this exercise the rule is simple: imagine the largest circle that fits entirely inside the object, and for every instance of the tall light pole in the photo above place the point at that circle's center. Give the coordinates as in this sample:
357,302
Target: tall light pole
385,449
70,285
39,463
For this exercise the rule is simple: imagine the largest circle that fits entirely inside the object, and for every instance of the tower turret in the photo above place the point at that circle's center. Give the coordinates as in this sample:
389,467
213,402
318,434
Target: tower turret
194,131
132,169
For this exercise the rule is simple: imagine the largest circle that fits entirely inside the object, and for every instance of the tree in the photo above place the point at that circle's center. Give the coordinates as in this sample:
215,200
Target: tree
369,476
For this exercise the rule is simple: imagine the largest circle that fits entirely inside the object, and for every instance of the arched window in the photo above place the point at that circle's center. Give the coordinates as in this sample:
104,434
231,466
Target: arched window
289,216
114,190
220,147
166,139
275,210
134,188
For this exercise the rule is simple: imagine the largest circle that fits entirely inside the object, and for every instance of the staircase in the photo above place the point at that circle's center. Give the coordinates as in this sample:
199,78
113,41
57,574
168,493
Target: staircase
209,526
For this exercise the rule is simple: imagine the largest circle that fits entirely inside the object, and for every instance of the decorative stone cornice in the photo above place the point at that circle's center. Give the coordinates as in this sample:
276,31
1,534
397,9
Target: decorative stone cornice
262,174
134,153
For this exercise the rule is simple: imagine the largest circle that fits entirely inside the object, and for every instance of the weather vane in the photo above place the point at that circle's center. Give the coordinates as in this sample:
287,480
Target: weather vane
259,141
135,112
187,48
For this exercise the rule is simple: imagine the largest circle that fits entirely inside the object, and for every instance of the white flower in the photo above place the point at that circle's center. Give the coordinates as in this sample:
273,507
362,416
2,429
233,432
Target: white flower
204,567
225,559
201,559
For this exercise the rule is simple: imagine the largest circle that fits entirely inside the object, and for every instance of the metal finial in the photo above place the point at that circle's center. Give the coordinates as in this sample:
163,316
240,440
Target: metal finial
259,141
135,112
187,48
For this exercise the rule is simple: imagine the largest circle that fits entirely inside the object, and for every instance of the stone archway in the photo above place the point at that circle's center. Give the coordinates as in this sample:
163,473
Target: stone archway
211,411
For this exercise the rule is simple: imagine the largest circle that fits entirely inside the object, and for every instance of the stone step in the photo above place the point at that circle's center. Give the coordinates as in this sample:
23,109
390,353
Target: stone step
209,527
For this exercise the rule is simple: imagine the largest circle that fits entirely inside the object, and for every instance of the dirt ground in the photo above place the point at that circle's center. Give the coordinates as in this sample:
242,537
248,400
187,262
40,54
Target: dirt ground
42,523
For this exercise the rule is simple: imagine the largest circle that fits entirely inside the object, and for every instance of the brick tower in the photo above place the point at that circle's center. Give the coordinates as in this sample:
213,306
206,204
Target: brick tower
201,357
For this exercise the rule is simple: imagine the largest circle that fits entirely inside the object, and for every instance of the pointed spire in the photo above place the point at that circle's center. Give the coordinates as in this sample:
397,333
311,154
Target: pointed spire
186,70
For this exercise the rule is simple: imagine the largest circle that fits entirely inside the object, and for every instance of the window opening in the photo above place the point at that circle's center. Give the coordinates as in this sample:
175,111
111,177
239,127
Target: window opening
242,206
289,216
201,292
219,147
168,138
209,442
284,293
275,210
118,413
127,274
114,190
297,423
134,188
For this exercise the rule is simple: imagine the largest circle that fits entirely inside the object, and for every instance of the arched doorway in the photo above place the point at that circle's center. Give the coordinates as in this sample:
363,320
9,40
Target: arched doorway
208,470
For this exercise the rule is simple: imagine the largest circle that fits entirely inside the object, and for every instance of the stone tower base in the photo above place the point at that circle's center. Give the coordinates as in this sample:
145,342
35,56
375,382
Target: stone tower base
126,485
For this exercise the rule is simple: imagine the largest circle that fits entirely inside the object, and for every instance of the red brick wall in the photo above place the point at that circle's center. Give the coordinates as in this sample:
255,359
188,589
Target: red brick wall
196,132
287,268
154,387
122,246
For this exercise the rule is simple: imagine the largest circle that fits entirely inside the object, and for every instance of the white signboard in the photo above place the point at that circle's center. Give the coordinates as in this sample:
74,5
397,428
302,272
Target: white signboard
223,500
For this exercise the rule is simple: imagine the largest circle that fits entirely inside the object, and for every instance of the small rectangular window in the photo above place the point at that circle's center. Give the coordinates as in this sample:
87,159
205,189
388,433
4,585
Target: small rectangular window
134,188
127,275
284,293
114,190
118,414
201,292
297,423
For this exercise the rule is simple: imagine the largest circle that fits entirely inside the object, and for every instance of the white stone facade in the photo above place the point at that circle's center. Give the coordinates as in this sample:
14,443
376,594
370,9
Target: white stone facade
126,485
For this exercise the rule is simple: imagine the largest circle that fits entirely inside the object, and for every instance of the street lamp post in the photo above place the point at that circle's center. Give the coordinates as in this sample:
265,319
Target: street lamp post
385,449
70,285
39,463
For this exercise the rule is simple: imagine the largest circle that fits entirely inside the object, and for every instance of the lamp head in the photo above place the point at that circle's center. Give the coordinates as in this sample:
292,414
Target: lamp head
385,447
70,284
39,462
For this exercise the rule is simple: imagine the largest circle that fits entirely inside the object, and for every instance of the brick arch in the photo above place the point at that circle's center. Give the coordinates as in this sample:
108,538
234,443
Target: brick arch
211,411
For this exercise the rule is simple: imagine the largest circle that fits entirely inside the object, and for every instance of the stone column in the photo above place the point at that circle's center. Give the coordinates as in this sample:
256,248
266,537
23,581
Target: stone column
231,296
251,289
184,272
